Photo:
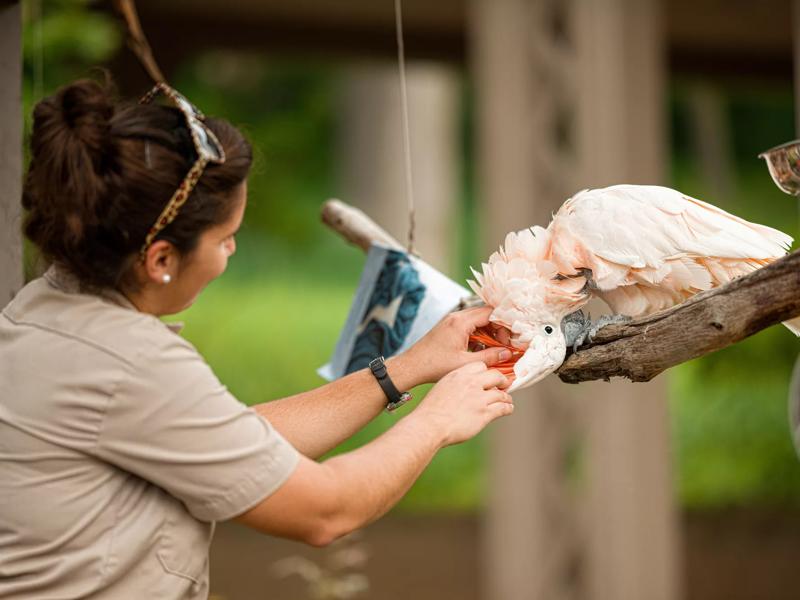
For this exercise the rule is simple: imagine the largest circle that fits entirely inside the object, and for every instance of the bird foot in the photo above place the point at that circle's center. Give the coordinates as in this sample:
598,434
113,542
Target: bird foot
573,326
579,329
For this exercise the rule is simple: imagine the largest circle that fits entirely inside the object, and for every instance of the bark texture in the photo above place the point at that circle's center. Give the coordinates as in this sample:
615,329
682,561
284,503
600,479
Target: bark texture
709,321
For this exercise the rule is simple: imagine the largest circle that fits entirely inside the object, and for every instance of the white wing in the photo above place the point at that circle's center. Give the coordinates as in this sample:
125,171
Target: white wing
650,247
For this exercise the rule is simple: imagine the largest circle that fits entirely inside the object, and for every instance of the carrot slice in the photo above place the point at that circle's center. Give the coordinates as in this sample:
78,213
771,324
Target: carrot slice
484,338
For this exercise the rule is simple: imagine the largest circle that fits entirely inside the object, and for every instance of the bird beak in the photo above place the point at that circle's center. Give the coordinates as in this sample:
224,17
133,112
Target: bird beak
533,366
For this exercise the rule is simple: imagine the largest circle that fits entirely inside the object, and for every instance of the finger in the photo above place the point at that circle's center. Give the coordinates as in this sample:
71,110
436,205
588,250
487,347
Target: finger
492,356
474,367
493,378
499,409
497,395
476,317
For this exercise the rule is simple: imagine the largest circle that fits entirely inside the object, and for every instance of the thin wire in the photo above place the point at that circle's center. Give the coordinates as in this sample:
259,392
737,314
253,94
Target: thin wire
137,41
401,60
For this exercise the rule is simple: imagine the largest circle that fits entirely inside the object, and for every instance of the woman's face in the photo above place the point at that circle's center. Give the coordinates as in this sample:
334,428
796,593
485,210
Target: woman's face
208,260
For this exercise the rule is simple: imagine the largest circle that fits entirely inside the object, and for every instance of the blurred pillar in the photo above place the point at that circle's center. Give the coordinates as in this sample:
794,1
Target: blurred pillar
531,546
633,529
712,143
571,95
372,166
10,149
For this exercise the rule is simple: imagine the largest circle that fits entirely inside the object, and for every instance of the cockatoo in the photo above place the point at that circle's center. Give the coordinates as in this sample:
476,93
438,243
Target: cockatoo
639,248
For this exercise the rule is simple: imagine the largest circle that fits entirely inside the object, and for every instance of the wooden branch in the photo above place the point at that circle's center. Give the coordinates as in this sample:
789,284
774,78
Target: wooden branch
355,226
709,321
645,347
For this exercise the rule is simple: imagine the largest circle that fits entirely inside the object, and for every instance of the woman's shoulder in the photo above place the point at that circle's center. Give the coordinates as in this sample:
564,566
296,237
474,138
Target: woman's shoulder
106,323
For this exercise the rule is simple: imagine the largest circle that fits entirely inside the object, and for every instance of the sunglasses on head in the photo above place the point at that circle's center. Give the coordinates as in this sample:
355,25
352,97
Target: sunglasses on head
208,149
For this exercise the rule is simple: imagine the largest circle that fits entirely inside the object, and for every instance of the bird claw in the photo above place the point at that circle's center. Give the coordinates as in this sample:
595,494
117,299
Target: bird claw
579,329
574,326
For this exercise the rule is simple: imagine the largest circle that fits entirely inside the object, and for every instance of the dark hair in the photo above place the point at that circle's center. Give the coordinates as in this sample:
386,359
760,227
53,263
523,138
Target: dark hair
101,173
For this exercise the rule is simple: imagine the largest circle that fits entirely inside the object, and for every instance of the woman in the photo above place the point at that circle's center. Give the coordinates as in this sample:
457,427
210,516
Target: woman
119,448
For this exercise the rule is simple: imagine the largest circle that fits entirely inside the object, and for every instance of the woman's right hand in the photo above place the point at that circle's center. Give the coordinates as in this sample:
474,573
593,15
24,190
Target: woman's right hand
465,401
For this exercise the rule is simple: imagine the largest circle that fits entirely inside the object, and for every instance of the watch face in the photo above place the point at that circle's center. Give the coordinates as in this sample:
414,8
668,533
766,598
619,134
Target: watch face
404,397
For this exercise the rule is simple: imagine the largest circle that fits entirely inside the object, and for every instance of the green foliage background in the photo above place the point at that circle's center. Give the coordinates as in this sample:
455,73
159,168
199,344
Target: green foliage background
274,317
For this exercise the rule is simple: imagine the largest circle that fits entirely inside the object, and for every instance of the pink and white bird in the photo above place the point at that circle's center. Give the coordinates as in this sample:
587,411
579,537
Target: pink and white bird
639,248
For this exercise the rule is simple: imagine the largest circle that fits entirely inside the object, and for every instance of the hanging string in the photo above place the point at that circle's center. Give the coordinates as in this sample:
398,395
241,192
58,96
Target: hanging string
137,41
401,61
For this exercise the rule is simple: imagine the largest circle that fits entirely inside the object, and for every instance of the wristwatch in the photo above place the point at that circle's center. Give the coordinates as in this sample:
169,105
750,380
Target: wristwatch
395,398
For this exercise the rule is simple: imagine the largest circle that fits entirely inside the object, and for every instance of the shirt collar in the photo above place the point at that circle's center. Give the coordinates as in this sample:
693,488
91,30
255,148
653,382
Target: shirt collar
64,280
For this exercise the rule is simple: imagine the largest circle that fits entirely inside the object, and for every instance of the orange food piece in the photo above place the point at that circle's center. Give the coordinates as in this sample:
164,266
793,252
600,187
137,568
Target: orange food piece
484,337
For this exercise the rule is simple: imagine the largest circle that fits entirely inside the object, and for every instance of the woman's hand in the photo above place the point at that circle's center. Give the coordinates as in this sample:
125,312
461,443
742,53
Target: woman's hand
444,348
464,402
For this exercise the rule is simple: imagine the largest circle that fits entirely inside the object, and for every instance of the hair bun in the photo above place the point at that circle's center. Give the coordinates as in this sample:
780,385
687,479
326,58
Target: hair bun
86,110
72,153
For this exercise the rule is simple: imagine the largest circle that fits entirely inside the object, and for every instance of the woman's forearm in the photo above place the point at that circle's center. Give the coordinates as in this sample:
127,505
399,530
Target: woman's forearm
324,501
317,421
375,477
321,502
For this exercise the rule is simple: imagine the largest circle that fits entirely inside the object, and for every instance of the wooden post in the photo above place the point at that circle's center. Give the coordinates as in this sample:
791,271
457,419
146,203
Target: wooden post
531,530
633,540
571,95
10,149
372,160
711,139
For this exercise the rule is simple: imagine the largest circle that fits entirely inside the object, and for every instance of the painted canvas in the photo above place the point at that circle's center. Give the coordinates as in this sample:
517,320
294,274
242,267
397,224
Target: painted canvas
398,300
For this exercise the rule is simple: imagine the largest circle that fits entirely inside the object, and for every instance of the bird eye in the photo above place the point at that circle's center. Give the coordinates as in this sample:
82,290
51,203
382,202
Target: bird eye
548,330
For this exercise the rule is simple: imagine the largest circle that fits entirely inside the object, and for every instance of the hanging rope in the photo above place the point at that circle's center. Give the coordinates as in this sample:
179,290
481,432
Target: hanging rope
137,41
139,45
401,61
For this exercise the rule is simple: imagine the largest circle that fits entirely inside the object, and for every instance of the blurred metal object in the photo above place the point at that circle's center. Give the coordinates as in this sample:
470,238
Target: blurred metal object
794,405
784,166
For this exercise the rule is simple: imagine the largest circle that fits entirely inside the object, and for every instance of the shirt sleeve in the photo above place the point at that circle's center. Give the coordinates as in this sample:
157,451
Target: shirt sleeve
171,422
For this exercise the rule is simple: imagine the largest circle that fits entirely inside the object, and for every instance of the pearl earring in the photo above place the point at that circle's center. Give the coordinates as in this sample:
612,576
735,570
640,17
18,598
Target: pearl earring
166,278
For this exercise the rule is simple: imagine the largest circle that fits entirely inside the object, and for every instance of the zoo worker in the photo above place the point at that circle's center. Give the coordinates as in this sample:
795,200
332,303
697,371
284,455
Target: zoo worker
119,448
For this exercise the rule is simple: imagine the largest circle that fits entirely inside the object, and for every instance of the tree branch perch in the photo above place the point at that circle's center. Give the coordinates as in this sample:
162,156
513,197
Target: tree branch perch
645,347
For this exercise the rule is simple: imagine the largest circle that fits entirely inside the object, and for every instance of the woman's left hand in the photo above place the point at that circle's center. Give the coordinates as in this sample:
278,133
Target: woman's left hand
444,348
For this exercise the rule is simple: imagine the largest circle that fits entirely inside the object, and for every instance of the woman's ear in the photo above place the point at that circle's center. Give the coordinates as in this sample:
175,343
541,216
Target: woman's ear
161,263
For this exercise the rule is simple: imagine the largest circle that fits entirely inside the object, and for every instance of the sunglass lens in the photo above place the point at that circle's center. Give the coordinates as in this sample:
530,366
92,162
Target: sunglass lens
208,142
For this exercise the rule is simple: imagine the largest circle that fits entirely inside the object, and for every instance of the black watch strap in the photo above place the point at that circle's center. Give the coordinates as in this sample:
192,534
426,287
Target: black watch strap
395,397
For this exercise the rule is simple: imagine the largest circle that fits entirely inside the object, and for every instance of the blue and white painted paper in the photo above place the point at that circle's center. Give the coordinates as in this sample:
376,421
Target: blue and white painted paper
399,299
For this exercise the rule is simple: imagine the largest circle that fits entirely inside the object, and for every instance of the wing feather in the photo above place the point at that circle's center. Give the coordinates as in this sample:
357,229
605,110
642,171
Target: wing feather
650,238
647,247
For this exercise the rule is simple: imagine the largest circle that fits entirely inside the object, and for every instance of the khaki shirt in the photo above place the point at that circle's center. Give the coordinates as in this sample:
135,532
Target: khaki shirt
119,449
